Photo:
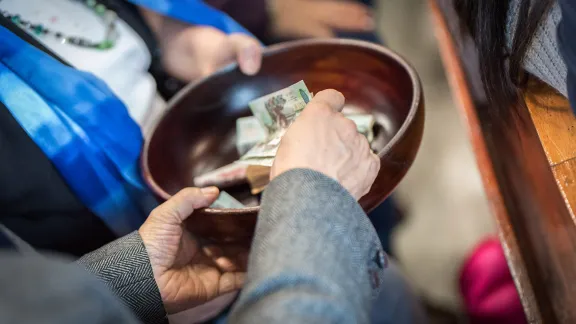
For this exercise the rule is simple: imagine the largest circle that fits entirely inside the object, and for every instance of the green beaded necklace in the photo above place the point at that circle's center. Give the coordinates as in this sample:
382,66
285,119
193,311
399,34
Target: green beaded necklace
109,17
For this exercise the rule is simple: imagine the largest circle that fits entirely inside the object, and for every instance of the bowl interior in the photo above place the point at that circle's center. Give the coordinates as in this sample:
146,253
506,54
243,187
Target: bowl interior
197,133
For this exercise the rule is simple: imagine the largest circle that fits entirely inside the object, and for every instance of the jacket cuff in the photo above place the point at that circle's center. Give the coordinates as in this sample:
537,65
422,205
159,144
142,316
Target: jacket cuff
125,267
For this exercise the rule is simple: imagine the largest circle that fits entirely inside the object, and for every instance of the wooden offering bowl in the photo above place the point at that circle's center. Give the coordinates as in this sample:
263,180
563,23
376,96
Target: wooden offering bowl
197,132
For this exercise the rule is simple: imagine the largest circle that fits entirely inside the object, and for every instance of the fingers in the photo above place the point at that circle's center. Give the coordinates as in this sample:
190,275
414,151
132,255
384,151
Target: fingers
231,281
344,15
331,98
248,53
176,209
228,258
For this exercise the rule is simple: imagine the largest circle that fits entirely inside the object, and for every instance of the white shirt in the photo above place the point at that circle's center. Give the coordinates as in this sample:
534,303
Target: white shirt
124,67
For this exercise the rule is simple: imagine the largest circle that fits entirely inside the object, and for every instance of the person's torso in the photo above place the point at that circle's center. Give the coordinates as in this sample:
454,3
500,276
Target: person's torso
124,66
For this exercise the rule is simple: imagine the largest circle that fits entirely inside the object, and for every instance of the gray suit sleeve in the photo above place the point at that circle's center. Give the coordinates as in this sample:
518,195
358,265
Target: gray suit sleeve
37,289
315,257
125,267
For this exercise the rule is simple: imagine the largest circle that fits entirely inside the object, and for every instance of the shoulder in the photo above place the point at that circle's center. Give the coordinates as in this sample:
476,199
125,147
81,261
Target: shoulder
542,59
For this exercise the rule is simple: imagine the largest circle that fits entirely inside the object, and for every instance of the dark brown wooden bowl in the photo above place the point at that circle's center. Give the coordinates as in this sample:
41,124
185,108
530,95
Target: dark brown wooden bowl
196,134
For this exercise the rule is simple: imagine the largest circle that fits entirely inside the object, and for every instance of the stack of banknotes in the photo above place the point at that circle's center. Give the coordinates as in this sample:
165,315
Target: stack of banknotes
258,137
273,114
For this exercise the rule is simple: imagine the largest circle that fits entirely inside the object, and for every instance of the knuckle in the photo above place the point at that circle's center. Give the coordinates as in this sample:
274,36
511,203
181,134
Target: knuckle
189,191
348,126
322,108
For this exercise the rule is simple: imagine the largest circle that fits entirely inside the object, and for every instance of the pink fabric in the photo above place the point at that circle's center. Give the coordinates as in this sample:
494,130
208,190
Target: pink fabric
487,287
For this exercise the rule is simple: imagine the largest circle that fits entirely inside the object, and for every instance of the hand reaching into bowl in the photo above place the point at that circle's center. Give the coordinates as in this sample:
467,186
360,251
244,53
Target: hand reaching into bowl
189,274
192,52
322,139
318,18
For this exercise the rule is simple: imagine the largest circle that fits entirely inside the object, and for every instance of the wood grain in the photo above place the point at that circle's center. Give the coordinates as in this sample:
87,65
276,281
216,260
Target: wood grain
554,121
527,164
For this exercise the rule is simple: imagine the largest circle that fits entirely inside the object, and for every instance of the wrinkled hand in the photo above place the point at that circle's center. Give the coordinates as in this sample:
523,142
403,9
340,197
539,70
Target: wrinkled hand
188,274
318,18
322,139
191,52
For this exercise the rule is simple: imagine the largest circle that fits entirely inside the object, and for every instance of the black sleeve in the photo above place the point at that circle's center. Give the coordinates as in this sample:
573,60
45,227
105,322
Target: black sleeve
36,202
567,45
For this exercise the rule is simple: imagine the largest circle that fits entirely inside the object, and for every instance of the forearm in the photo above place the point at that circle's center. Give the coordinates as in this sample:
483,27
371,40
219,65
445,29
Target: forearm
315,256
566,30
125,267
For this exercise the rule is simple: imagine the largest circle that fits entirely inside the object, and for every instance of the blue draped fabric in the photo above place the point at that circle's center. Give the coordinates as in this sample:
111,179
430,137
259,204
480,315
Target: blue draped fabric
194,12
81,126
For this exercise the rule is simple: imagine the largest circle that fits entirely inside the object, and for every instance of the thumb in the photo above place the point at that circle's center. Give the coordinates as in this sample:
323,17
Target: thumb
248,52
176,209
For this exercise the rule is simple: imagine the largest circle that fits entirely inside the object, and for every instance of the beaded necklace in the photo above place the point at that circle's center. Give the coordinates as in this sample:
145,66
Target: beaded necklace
109,18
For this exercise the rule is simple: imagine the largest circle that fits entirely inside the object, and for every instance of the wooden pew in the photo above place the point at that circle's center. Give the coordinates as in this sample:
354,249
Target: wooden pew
528,166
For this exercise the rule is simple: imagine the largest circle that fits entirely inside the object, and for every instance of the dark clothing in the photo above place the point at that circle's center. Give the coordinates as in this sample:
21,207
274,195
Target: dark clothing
35,201
567,44
252,14
45,290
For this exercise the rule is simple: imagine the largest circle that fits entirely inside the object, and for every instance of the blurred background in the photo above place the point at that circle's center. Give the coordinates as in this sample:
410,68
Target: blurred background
445,209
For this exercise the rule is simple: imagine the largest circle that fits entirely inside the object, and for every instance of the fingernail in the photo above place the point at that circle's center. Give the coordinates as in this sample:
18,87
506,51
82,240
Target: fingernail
209,191
249,60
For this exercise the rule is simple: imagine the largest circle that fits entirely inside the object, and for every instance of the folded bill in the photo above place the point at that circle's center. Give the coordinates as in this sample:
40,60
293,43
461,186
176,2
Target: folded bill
225,176
365,124
226,201
278,110
263,153
249,132
275,112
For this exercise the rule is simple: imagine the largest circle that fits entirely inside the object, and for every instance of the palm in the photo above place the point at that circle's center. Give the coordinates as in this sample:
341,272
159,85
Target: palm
195,275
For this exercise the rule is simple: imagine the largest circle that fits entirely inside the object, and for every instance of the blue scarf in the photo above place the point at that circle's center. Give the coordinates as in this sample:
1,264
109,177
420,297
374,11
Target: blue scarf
194,12
81,127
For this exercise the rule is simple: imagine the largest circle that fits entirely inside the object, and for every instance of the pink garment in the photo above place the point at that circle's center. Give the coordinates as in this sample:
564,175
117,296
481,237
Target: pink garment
487,287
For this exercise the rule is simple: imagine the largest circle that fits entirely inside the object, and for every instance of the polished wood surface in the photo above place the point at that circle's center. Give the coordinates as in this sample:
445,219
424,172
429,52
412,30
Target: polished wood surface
554,121
196,134
527,166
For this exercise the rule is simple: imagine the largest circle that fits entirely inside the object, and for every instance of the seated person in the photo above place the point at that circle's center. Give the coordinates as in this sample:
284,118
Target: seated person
70,147
276,20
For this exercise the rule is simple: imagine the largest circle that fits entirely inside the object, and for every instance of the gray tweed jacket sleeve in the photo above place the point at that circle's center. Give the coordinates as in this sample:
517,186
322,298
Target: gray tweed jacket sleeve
125,267
315,257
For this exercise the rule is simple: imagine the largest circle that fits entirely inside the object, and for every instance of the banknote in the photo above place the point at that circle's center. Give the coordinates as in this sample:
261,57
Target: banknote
278,110
364,124
266,149
226,201
263,161
227,175
249,132
263,153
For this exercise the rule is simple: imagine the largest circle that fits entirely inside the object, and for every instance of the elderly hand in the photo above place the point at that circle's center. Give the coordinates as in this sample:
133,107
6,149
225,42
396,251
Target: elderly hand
188,274
318,18
322,139
192,52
